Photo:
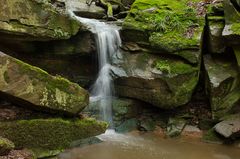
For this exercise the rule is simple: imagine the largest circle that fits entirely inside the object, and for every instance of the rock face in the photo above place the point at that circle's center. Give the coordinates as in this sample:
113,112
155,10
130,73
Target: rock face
37,19
215,25
71,59
222,66
161,57
229,128
231,30
222,83
48,137
82,9
30,86
5,146
163,82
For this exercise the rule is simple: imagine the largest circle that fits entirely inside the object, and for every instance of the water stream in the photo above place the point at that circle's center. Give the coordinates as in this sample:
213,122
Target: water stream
107,42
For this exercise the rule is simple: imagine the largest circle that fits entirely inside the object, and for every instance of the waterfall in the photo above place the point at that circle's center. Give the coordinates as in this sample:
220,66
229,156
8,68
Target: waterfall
108,42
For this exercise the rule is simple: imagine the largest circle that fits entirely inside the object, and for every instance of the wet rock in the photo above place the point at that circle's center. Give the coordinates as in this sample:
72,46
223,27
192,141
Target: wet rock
175,126
147,125
48,137
163,82
82,9
36,19
222,84
29,86
127,126
5,146
229,128
123,109
86,142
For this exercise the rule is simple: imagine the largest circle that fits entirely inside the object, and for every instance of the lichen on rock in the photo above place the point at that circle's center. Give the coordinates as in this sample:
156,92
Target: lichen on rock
32,87
37,19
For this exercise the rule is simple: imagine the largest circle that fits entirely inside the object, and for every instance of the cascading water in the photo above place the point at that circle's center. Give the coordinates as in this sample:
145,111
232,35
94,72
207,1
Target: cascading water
108,42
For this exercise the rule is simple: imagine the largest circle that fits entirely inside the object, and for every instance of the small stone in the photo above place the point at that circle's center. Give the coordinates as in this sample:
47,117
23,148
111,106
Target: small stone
175,126
229,128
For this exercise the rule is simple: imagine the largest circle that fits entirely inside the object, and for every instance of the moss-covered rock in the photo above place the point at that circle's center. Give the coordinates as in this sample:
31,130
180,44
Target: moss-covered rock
222,84
164,82
47,137
215,24
5,146
170,26
211,136
37,19
231,30
30,86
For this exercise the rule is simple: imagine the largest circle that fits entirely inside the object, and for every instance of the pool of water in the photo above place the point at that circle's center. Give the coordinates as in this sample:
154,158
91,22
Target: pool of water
150,146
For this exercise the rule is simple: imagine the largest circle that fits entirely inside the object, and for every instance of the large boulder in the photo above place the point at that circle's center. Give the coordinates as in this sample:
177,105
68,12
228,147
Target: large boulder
32,87
154,25
36,19
163,82
47,137
222,84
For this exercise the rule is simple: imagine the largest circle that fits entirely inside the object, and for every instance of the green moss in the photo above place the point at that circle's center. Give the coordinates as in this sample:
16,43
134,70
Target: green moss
54,24
52,82
174,67
49,134
212,137
173,25
5,146
236,28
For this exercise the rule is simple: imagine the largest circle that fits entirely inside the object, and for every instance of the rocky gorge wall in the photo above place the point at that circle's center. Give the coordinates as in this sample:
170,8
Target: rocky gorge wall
179,65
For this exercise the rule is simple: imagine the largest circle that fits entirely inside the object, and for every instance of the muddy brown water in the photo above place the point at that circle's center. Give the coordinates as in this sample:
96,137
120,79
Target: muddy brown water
150,146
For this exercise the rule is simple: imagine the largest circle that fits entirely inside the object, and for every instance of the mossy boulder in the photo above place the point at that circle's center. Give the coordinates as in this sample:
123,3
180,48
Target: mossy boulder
36,19
5,146
231,30
166,25
161,81
47,137
29,86
222,84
